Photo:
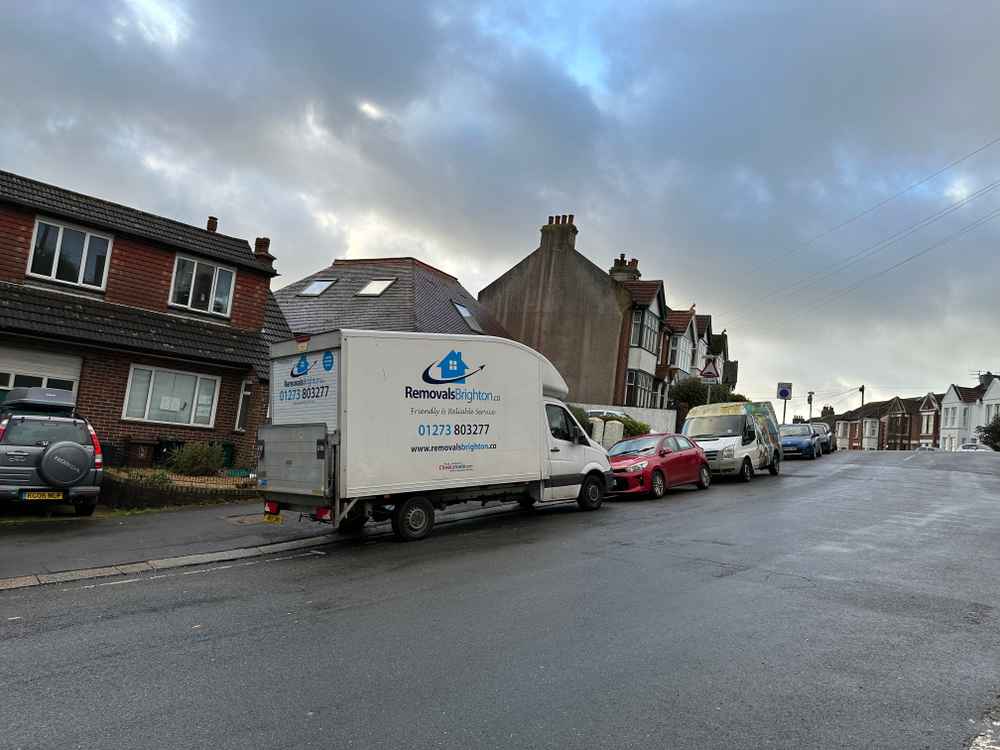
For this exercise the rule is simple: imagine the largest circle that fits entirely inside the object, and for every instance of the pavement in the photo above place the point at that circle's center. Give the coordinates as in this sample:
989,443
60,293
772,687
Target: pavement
849,603
32,547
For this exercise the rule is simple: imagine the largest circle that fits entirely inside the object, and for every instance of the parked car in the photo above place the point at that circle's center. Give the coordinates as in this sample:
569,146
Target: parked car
49,454
925,448
651,464
800,440
739,439
827,440
968,447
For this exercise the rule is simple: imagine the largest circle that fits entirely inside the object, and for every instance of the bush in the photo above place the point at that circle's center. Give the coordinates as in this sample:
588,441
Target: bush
197,459
632,427
582,418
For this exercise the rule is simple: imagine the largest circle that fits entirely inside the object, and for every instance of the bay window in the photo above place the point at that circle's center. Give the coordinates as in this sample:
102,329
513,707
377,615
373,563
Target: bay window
638,388
155,394
201,286
70,255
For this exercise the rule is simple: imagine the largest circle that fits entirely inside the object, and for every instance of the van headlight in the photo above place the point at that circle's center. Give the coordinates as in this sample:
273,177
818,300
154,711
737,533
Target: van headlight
638,467
728,452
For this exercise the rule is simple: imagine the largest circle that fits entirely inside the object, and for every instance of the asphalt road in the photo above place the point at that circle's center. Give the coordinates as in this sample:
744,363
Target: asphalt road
850,603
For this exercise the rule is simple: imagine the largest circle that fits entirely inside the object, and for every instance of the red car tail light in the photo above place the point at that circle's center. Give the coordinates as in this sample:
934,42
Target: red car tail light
3,428
271,508
98,453
322,513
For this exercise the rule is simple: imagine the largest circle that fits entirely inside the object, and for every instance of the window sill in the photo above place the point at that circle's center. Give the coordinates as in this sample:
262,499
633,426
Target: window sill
65,285
208,314
170,424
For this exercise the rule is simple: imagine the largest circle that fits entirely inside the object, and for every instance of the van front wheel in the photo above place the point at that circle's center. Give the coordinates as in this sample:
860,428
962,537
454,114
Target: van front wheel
775,466
591,493
413,519
746,470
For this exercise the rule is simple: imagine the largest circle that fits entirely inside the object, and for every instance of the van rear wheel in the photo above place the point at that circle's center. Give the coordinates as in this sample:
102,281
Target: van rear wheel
413,519
591,493
775,466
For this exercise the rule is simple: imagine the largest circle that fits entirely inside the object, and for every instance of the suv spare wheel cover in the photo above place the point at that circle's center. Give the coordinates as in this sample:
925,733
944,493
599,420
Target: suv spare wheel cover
64,464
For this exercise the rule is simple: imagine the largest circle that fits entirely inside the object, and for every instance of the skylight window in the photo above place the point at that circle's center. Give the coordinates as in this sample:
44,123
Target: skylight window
469,318
317,287
375,287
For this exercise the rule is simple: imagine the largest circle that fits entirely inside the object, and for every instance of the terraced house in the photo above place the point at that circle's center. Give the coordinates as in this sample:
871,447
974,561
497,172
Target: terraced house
159,328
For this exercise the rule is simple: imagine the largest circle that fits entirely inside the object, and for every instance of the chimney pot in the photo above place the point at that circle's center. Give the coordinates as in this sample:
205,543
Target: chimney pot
213,224
262,251
571,218
550,220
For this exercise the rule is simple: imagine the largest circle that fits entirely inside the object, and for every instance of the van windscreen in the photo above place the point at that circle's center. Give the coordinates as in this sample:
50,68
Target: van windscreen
704,428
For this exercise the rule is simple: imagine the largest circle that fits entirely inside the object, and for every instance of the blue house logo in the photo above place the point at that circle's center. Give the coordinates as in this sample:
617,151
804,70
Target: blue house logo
452,369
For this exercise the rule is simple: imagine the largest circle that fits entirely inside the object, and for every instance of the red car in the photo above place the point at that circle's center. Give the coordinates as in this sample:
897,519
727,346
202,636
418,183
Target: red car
650,464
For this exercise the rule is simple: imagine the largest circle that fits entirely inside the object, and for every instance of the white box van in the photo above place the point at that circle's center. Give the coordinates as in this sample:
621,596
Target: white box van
739,438
387,425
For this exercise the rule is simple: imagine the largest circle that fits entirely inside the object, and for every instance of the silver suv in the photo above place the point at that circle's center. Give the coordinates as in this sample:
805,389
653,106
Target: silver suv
49,454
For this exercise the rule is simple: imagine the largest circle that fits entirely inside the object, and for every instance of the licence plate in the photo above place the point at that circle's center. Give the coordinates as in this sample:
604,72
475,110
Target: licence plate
273,518
43,496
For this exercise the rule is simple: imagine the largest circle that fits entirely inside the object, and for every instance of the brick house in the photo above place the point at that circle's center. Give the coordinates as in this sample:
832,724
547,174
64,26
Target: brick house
158,327
610,333
903,424
863,428
930,420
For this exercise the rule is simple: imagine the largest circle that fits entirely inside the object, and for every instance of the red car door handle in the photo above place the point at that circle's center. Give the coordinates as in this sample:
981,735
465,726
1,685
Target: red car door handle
554,450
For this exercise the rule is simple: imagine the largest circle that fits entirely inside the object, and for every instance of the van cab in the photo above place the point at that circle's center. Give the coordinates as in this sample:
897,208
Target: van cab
739,439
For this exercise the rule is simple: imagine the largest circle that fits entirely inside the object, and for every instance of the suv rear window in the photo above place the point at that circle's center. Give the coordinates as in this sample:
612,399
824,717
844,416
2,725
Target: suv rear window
44,431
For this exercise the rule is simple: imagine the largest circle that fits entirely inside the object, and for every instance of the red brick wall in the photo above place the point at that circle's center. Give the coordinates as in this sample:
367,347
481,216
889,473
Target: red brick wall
140,273
101,398
16,226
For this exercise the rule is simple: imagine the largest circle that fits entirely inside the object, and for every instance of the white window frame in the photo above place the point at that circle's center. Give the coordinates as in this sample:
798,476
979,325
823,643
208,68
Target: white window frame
388,284
470,320
153,369
211,297
11,374
83,260
246,389
312,284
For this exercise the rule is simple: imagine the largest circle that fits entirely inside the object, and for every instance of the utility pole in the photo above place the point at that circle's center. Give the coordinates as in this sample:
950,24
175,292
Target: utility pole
809,399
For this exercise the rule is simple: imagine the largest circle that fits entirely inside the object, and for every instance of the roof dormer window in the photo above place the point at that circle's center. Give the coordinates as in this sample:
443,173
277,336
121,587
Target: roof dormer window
202,287
69,255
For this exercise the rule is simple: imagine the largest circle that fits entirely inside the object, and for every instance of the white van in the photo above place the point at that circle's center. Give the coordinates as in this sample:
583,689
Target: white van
388,425
739,438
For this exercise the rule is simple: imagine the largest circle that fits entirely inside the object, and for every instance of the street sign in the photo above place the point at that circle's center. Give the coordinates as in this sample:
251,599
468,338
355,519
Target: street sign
710,371
784,391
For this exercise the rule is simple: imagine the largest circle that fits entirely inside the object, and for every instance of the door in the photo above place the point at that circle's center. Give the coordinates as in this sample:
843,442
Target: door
37,368
675,462
691,461
566,456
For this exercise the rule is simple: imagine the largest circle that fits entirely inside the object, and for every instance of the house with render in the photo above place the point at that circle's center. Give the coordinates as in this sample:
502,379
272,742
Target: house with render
964,409
159,328
610,333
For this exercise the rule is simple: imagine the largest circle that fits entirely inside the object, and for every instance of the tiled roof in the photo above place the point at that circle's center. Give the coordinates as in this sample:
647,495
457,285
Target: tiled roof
677,320
970,395
869,410
702,323
420,299
643,292
98,213
29,311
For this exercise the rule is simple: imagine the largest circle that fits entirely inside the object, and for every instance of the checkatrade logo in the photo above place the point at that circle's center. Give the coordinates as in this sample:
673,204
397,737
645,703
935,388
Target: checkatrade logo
452,369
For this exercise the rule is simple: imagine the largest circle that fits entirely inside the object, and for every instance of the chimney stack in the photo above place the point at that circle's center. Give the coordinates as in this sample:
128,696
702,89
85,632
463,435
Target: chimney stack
213,224
261,251
986,378
559,233
623,270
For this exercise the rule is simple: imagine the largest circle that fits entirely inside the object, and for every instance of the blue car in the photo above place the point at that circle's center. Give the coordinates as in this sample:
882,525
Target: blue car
800,440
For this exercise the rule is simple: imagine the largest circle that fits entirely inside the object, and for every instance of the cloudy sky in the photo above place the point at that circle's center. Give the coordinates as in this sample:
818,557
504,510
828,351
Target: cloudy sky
719,143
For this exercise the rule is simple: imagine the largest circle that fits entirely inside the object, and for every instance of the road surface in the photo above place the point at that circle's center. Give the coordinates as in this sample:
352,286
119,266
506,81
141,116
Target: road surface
849,603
